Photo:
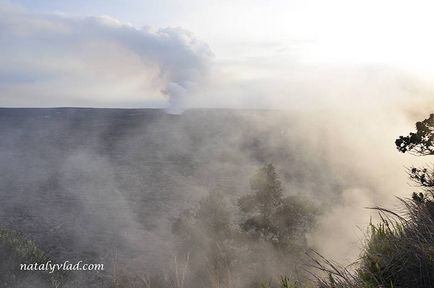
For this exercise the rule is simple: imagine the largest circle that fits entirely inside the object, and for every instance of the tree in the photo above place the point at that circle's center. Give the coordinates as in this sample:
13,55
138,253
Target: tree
400,248
283,221
266,193
272,231
204,242
421,142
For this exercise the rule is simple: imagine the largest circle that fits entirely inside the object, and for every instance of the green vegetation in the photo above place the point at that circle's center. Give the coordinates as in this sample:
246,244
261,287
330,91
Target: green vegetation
399,251
205,244
15,249
252,240
420,142
241,249
282,221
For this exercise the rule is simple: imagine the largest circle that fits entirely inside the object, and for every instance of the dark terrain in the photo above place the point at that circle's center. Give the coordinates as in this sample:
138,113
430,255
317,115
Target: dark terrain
102,184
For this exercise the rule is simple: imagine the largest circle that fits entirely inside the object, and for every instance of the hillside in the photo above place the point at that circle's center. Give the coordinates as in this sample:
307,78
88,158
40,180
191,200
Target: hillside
96,184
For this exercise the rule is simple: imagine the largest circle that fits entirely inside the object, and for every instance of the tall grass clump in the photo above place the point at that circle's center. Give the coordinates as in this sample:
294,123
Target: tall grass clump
399,250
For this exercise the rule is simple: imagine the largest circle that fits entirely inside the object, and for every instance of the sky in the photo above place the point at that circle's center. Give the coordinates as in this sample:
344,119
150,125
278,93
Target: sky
249,54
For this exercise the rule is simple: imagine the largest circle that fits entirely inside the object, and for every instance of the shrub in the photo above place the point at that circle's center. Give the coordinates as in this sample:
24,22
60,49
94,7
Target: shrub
15,249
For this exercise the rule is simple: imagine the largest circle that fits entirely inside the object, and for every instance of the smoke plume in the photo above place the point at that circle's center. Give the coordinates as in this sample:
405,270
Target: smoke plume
58,60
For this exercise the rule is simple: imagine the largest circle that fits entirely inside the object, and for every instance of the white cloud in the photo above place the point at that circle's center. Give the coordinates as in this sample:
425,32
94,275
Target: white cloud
285,55
55,60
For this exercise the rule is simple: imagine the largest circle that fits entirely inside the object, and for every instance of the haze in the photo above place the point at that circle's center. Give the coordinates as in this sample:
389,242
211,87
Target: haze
218,89
243,54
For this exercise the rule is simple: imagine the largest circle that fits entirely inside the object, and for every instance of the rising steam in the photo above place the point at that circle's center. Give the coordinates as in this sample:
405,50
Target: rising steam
43,55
